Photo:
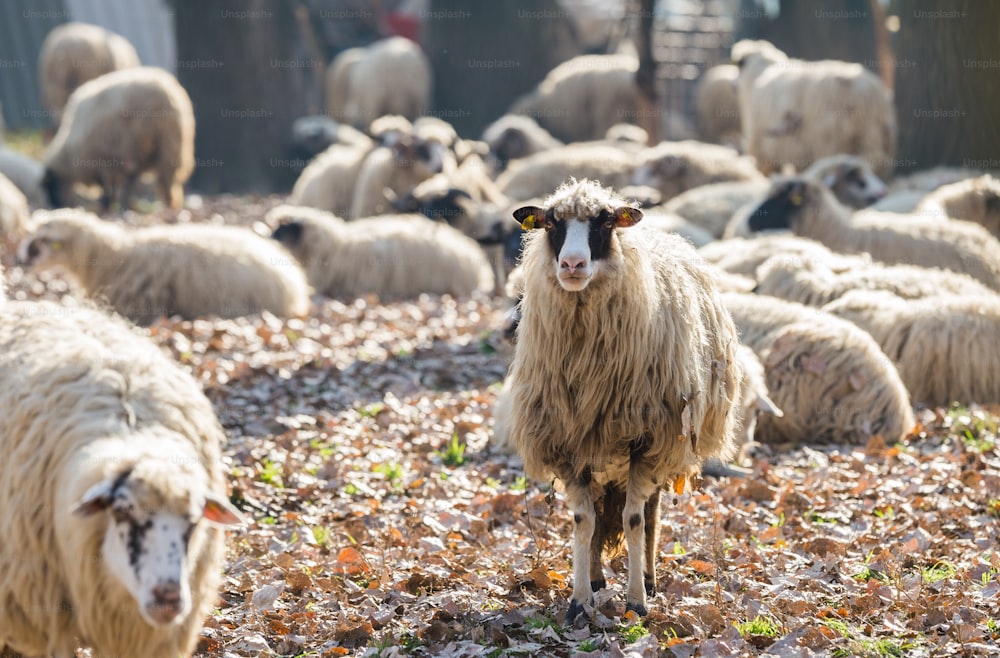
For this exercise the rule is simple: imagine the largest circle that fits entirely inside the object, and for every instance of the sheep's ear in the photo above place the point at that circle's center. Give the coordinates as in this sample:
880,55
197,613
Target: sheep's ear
220,511
626,216
530,217
97,499
768,406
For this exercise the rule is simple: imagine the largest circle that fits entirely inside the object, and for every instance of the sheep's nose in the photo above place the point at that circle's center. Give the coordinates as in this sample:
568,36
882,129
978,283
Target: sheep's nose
572,263
168,594
166,605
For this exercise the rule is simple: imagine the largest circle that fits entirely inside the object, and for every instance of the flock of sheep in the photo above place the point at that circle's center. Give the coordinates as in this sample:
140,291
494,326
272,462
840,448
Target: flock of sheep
656,330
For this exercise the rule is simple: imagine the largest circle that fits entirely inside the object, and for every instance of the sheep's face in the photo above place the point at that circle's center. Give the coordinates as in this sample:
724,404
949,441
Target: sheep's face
50,245
579,245
782,208
148,534
855,185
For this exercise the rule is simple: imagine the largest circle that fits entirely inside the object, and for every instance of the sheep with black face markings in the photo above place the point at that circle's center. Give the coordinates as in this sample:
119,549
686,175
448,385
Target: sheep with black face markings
191,270
112,486
623,378
809,209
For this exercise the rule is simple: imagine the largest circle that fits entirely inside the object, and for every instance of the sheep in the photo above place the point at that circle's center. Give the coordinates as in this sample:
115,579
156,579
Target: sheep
327,183
944,347
831,379
795,112
661,221
390,256
973,199
817,282
581,98
26,173
113,490
712,206
542,172
191,270
119,126
809,209
337,82
14,213
717,105
623,377
392,77
743,256
514,136
74,53
906,192
674,167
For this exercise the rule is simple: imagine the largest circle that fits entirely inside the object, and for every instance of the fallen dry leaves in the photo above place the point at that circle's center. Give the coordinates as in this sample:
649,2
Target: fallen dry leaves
383,524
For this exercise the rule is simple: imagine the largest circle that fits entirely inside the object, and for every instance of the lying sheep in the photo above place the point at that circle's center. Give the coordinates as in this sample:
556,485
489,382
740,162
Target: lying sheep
743,256
191,270
944,347
112,486
816,282
514,136
907,191
26,173
539,174
390,256
582,97
118,127
712,206
666,222
14,213
623,378
717,105
674,167
809,209
974,199
393,76
830,378
74,53
795,112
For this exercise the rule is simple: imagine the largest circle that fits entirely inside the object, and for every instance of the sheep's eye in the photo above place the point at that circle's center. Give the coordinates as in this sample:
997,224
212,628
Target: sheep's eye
121,515
610,224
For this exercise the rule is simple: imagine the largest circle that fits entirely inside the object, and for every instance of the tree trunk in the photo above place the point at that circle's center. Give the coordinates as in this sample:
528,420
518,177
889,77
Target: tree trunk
486,54
645,76
947,62
248,74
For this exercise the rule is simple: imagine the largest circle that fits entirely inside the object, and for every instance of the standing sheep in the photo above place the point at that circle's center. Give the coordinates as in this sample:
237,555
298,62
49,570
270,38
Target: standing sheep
944,347
830,378
74,53
624,375
795,112
390,256
119,126
974,199
809,209
337,82
191,270
393,76
717,105
112,486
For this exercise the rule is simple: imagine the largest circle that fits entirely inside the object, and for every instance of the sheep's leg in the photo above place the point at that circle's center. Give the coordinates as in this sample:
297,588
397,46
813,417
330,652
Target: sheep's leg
597,581
651,514
641,488
581,503
126,192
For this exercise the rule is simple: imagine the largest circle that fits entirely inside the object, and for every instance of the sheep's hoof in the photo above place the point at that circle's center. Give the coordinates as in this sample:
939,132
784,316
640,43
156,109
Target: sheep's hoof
598,585
574,611
650,586
637,608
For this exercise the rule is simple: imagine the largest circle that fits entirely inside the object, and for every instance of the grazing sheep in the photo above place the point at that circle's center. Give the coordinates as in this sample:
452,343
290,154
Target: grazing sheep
514,136
944,347
743,256
542,172
337,82
795,112
119,126
314,134
582,97
816,282
112,487
74,53
830,378
327,183
191,270
14,213
623,378
717,105
974,199
673,167
392,77
391,256
26,173
809,209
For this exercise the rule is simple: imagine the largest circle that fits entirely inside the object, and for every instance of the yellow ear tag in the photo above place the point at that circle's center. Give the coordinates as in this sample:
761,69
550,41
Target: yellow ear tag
528,223
796,199
680,484
626,216
56,246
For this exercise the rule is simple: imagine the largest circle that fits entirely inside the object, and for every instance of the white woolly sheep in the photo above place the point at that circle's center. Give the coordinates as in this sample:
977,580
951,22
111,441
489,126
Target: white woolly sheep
623,378
830,378
337,82
514,136
717,105
392,77
974,199
14,213
712,206
817,282
542,172
795,112
809,209
743,256
119,126
673,167
112,487
582,97
74,53
191,270
25,172
944,347
907,191
655,220
391,256
328,182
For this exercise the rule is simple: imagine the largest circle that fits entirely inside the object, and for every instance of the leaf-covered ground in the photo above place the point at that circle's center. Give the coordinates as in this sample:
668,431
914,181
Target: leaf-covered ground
383,524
